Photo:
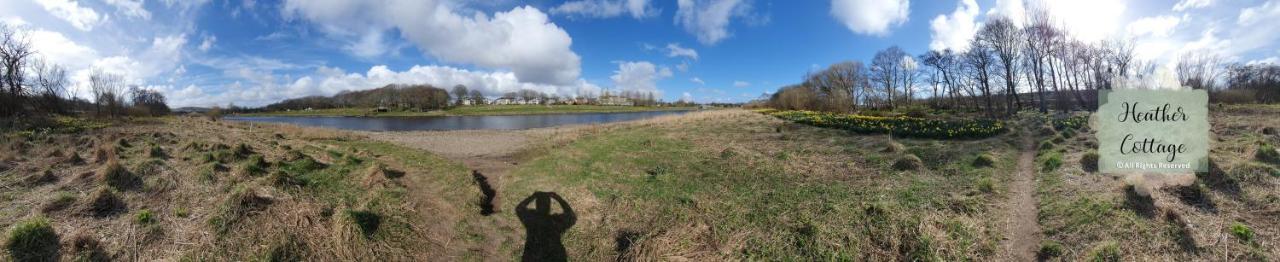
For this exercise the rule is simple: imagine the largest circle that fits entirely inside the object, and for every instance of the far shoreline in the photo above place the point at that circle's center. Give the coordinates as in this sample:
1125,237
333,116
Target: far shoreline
488,110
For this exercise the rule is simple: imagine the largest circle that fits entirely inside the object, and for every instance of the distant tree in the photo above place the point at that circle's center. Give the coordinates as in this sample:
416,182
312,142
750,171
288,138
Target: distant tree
108,92
892,69
459,94
1198,69
14,53
477,98
149,101
1003,38
49,83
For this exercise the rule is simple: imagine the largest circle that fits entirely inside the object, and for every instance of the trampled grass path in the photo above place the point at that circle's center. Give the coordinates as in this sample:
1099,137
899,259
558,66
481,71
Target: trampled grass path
1022,227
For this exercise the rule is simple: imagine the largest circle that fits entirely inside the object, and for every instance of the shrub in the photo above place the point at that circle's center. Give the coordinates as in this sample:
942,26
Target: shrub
1052,161
145,217
908,162
1242,231
899,126
366,221
1267,153
1070,123
33,240
1089,162
984,160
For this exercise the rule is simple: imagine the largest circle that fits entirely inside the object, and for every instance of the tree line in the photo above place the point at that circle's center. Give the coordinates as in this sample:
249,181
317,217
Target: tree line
33,86
394,96
1007,68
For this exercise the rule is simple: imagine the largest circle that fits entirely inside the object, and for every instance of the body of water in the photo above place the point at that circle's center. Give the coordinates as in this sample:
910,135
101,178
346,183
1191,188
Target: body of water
456,122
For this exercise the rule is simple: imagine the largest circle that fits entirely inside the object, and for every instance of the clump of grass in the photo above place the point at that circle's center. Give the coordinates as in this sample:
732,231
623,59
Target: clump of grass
101,155
33,240
894,147
987,185
1242,232
104,202
243,150
1051,162
1267,154
908,162
1059,139
1049,249
84,247
728,153
156,152
59,202
242,202
74,159
1107,251
289,248
365,220
115,175
209,172
42,178
123,143
1253,172
256,165
145,217
182,212
984,160
1089,161
1046,146
284,180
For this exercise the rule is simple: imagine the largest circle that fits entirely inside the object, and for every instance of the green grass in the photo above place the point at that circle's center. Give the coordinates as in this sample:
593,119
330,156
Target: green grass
472,111
33,240
753,199
145,217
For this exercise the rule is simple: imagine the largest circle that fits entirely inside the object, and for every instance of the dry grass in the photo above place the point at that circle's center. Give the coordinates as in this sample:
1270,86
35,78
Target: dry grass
1093,216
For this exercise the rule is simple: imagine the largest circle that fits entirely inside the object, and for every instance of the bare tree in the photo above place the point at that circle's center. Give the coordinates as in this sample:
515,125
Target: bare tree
889,71
1198,69
14,52
1120,54
1004,39
979,60
49,84
107,89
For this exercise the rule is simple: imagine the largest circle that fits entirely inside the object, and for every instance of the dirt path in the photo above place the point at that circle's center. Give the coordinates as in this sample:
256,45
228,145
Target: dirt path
1022,227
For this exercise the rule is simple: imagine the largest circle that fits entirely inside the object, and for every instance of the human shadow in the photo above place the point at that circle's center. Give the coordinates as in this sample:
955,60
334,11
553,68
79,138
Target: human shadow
543,229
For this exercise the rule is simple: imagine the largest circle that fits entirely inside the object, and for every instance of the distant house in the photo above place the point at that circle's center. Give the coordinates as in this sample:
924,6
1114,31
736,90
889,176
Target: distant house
616,101
504,101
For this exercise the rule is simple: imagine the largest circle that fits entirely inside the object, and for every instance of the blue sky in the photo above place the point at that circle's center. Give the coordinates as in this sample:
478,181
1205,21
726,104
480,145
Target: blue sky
215,52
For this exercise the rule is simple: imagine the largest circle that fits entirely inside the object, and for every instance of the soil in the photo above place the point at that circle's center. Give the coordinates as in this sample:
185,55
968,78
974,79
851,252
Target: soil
1022,227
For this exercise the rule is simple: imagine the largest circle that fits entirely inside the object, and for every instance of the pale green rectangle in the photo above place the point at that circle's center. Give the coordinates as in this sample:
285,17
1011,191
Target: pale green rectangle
1156,131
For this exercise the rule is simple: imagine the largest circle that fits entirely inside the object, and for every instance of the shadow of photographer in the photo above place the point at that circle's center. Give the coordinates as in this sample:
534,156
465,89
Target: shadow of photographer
543,230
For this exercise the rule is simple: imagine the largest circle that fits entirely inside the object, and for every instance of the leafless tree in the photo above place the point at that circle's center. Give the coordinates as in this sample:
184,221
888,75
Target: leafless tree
979,61
48,84
1198,69
14,53
1005,41
890,70
108,92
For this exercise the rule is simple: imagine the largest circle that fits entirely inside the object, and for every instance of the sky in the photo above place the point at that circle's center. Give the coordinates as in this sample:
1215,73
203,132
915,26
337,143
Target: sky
256,52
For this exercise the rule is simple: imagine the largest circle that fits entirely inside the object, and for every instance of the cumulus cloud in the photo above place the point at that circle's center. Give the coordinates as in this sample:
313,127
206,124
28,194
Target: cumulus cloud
675,50
522,40
639,76
741,84
1268,11
697,81
709,19
605,8
872,17
686,97
1191,4
131,8
83,18
1158,26
55,47
955,31
1013,9
1087,20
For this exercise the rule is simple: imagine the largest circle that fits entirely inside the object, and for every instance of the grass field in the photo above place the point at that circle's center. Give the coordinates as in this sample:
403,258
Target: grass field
473,111
713,185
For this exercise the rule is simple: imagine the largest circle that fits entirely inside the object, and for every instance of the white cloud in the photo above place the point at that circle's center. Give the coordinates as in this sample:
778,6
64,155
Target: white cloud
686,97
83,18
709,19
522,40
131,8
605,8
207,43
370,45
58,49
956,30
1012,9
1191,4
675,50
13,21
1269,60
697,81
1158,26
1268,11
741,84
872,17
639,76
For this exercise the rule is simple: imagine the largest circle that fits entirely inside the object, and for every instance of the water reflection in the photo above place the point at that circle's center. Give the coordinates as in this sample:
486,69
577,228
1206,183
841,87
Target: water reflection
456,122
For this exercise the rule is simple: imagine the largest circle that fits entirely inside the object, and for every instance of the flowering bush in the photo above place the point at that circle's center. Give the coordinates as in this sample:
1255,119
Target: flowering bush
1073,122
899,126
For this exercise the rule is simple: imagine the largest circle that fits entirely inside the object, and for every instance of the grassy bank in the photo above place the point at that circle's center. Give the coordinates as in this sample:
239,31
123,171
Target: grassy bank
473,111
739,185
